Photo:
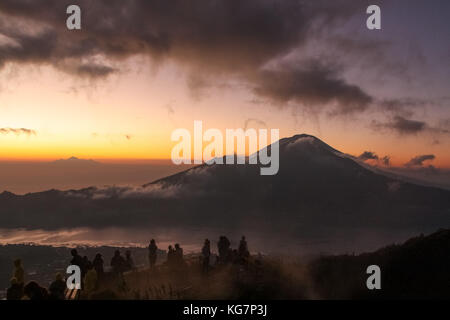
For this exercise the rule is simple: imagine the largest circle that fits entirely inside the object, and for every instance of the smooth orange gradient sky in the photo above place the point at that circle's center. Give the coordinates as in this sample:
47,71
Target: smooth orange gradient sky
132,115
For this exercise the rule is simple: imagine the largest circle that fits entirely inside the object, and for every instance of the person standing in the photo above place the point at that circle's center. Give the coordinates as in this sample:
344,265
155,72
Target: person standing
170,257
224,250
129,263
206,253
98,264
152,253
117,263
19,272
77,260
243,249
178,255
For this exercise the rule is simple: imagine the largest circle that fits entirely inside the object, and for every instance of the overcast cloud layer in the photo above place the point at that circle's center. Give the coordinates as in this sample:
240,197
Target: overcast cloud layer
243,40
264,45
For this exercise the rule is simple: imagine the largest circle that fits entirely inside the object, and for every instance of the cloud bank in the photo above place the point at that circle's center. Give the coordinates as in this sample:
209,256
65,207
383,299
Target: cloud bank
242,40
18,131
419,160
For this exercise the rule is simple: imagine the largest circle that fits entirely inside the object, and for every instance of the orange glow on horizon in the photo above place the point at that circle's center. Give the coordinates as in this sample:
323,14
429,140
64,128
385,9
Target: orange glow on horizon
161,155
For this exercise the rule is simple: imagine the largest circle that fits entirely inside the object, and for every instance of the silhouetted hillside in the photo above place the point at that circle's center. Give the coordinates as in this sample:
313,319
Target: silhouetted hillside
419,268
42,262
320,200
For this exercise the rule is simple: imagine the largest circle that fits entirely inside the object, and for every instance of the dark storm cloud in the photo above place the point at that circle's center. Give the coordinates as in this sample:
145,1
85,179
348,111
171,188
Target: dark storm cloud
210,39
419,160
401,125
18,131
407,126
401,110
368,155
217,34
28,48
312,84
404,126
94,70
403,107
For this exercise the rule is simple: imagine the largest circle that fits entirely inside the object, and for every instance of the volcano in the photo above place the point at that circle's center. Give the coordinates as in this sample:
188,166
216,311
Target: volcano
321,198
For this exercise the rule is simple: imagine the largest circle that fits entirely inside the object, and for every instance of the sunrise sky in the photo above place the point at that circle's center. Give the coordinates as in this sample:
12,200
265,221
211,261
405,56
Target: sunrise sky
138,70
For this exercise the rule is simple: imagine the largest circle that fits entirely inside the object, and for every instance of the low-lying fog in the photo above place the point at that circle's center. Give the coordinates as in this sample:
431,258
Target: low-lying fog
26,177
191,240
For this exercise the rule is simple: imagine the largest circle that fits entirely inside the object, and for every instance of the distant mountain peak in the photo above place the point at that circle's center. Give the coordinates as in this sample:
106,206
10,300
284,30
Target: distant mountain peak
304,138
307,141
303,135
7,194
320,197
75,160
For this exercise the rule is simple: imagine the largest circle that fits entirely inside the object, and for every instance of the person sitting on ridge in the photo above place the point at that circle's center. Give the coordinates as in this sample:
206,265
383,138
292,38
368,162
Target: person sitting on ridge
15,291
34,291
57,288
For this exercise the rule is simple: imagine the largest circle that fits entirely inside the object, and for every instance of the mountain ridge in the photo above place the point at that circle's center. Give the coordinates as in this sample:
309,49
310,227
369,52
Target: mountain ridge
319,195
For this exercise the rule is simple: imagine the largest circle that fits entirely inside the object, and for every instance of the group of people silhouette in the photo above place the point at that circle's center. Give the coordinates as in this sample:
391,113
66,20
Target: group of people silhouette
92,272
227,255
32,290
175,257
